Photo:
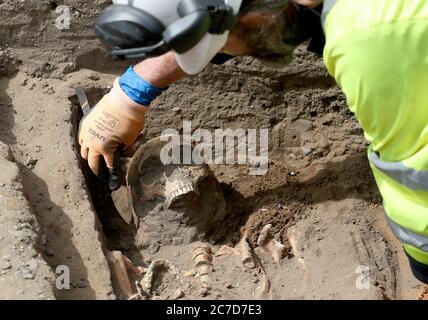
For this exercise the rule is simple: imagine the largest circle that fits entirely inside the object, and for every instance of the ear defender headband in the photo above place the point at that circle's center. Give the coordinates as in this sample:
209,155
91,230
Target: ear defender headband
132,33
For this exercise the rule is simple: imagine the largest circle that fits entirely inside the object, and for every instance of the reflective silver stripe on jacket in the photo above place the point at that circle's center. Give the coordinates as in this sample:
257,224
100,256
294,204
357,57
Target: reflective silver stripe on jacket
411,178
328,5
408,237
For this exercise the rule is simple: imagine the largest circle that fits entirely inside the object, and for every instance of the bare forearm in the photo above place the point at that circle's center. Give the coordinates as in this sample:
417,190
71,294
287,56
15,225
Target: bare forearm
161,71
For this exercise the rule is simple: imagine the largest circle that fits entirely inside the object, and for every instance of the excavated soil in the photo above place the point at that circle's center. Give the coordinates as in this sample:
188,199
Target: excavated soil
318,195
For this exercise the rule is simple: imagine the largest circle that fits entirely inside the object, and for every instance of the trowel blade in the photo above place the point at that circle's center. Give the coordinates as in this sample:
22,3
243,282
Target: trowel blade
123,202
83,100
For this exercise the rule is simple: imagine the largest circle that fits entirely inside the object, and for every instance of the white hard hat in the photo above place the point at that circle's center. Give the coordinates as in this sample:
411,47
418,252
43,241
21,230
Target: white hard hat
166,12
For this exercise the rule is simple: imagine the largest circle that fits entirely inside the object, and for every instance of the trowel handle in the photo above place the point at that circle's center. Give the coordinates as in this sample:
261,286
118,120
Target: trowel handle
115,178
112,176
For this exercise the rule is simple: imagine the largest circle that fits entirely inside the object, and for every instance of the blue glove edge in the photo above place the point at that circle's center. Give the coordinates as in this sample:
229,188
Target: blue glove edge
137,89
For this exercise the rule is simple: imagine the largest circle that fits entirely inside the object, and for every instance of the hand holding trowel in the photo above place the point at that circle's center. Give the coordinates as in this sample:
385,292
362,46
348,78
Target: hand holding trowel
123,195
112,176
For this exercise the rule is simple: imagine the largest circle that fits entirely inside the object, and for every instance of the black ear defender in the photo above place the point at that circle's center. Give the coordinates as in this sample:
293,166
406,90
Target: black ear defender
132,33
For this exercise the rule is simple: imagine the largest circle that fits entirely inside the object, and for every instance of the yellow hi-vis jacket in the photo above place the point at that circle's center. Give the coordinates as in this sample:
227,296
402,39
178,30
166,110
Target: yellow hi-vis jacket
377,50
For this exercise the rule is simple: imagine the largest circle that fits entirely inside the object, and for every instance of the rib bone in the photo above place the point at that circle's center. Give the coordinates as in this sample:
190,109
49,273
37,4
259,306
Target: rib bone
269,245
246,253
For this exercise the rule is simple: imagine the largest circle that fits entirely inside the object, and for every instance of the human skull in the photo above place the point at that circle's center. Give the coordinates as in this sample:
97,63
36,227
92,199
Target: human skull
149,181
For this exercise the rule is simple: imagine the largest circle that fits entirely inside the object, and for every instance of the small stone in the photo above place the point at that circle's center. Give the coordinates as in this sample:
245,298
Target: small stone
31,162
94,76
50,91
6,265
28,276
81,284
237,285
33,265
49,252
44,239
189,274
177,295
203,292
307,151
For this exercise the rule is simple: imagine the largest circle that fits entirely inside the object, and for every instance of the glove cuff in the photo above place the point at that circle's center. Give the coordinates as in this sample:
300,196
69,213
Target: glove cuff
138,89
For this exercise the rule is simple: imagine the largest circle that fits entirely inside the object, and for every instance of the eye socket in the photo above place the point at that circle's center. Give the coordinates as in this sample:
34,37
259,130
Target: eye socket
150,169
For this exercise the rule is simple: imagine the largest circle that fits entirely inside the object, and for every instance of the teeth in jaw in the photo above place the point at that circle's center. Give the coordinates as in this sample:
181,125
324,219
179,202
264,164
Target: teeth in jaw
180,191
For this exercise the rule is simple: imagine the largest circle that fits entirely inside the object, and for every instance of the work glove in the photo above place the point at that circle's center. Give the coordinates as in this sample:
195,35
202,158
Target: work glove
113,124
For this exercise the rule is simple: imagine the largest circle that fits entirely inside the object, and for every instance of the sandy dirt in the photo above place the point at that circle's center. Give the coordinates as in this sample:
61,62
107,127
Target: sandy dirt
318,195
